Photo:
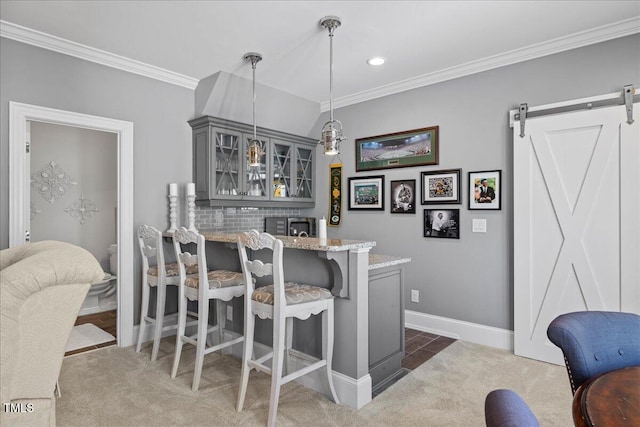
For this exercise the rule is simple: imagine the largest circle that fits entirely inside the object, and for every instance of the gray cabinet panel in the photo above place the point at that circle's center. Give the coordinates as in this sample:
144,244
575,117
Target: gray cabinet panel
223,176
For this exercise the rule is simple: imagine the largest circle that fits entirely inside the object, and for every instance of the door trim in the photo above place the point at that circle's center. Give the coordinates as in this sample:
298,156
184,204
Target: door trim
19,115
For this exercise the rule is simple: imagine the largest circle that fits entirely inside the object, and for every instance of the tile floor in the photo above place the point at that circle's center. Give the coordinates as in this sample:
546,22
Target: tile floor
106,320
418,348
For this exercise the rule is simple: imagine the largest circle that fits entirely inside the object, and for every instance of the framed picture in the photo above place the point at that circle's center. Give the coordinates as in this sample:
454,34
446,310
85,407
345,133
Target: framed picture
416,147
442,223
366,193
403,196
441,186
485,189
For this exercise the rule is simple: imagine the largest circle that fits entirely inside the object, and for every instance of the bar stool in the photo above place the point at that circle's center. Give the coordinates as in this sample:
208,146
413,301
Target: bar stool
158,276
280,301
219,285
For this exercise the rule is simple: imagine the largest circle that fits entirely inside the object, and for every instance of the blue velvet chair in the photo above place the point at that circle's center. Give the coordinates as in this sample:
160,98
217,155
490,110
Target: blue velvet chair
505,408
595,342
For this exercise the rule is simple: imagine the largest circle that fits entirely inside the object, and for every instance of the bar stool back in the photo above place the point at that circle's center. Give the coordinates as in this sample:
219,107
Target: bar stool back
219,285
281,301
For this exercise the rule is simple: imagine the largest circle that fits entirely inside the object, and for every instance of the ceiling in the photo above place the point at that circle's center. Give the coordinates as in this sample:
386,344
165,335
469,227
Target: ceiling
423,41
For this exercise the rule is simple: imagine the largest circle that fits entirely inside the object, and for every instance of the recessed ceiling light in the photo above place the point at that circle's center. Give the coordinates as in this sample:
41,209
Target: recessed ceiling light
378,60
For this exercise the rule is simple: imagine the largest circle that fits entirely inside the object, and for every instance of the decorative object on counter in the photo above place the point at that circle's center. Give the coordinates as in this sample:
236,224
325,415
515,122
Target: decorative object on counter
444,223
218,285
255,149
335,193
440,187
366,193
485,188
403,196
191,206
332,130
281,302
322,229
417,147
173,205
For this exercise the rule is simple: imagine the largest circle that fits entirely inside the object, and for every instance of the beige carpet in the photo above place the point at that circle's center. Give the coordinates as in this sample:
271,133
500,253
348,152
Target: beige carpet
118,387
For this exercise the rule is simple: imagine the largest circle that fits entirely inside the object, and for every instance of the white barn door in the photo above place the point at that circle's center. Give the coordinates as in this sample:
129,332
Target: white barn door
576,216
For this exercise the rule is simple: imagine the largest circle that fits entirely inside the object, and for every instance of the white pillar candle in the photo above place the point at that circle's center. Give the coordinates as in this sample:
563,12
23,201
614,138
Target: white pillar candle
191,189
173,189
322,228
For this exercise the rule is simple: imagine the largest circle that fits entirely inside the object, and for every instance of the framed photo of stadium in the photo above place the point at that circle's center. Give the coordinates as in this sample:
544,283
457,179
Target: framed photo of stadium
366,193
418,147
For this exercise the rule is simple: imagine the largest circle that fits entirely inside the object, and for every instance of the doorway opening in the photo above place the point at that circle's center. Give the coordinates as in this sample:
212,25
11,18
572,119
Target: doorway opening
21,115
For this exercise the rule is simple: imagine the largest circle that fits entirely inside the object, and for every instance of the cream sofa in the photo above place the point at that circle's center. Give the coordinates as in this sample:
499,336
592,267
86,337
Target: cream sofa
42,287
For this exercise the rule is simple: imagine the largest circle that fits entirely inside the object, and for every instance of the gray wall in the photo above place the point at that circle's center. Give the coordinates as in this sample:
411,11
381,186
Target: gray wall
159,112
470,279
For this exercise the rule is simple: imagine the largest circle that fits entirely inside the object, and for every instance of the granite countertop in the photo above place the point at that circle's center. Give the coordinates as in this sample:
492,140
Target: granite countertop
380,261
305,243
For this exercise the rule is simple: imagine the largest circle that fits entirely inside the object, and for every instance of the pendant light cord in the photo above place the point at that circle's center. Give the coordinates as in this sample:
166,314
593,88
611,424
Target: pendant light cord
253,66
331,73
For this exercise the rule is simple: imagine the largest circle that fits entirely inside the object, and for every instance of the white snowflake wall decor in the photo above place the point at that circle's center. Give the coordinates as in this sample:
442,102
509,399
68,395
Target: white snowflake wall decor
82,209
51,182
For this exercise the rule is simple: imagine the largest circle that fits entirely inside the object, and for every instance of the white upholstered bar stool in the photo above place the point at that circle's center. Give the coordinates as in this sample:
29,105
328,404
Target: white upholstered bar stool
281,301
219,285
156,274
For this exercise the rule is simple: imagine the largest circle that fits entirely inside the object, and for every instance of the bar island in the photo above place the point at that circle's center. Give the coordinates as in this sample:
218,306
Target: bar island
369,309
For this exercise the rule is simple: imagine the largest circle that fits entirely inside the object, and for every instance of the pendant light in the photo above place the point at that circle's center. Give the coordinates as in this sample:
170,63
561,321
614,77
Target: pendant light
255,150
332,130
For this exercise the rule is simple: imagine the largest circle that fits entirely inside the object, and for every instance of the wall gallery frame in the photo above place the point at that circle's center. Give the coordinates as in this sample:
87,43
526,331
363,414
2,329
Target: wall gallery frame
440,187
366,193
416,147
403,196
485,190
442,223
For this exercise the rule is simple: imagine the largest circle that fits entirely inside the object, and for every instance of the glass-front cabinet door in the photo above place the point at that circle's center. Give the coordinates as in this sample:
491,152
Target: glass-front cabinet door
304,172
227,160
256,178
282,166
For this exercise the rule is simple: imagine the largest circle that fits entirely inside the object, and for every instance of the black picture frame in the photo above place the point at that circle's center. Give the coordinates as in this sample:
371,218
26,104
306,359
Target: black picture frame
450,227
441,187
402,196
417,147
366,193
485,197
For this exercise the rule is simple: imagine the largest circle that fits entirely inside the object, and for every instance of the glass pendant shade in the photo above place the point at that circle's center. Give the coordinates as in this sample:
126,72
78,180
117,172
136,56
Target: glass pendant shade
255,153
332,130
254,150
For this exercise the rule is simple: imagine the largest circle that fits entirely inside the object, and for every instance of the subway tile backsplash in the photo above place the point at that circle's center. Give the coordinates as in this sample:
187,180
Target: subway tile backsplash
237,219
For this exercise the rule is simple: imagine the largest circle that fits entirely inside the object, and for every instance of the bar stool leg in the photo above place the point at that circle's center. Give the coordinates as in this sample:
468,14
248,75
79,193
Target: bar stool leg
276,367
144,312
327,345
161,297
247,351
201,340
182,322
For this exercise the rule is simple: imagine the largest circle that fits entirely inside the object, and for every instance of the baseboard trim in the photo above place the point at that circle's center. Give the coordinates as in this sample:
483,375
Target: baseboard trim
459,329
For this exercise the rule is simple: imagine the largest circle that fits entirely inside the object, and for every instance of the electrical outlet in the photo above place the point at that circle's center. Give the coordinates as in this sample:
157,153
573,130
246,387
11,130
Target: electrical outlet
415,295
229,313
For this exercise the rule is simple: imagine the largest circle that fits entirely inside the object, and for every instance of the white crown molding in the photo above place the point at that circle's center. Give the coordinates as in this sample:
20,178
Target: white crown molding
67,47
584,38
